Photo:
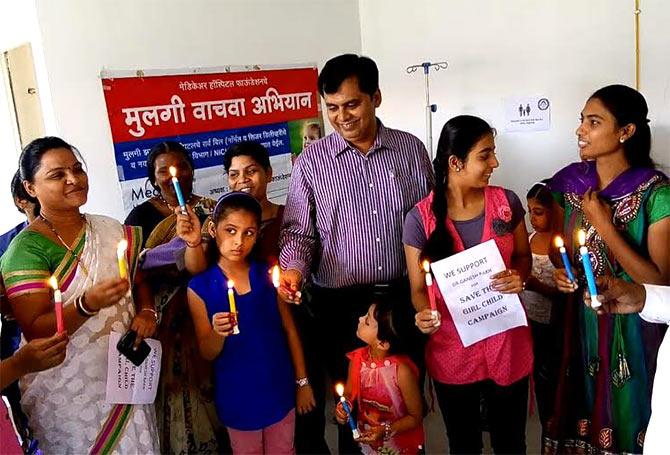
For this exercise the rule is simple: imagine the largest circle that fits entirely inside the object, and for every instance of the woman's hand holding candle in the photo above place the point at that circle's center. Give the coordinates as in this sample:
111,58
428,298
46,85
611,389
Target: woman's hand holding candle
425,265
426,322
563,282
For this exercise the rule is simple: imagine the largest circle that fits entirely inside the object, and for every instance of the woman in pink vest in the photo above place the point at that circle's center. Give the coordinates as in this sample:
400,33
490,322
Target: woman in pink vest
463,211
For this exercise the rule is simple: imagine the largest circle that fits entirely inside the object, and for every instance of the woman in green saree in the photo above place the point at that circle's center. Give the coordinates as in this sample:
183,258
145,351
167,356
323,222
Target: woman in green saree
66,405
623,204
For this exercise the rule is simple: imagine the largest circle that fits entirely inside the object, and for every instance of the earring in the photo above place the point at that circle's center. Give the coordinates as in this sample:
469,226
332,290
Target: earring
458,169
622,140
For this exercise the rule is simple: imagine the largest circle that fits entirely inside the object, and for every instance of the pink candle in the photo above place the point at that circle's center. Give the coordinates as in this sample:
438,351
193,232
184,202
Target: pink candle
425,265
58,305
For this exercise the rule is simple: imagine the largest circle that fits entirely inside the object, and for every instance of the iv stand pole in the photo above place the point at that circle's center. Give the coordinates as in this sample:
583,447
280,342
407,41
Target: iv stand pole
430,108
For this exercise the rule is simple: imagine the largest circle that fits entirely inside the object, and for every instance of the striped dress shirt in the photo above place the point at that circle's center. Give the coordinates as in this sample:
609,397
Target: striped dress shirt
345,210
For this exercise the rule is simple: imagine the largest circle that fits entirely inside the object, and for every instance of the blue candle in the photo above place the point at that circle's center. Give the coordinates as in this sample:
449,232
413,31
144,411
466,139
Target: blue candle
588,270
177,189
352,424
564,256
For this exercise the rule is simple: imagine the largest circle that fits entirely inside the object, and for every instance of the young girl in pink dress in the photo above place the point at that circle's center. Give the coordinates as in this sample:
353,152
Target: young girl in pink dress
384,386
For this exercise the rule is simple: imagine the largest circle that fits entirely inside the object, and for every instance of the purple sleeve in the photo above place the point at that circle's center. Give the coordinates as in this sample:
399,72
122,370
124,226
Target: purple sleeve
518,212
171,253
298,235
413,233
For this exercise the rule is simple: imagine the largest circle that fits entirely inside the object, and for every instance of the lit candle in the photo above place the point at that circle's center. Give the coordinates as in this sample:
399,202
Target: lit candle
275,276
558,241
121,257
588,270
177,189
339,388
58,305
233,308
425,265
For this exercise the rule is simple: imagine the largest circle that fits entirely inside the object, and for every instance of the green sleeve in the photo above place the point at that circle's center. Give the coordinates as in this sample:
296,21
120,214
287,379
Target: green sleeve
658,204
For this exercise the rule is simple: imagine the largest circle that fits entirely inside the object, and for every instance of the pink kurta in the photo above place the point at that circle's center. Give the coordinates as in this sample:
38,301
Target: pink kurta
504,358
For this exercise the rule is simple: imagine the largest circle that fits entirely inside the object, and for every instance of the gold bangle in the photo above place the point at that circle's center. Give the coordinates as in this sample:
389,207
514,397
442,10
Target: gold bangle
151,310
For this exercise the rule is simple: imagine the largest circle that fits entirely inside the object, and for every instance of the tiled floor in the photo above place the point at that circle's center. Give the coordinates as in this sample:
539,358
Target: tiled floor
436,438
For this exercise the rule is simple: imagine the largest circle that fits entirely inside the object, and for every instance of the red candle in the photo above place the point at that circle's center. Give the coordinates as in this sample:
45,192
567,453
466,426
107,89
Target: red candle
58,305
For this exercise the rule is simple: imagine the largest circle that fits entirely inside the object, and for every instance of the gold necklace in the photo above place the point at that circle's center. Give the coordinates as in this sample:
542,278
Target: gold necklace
55,232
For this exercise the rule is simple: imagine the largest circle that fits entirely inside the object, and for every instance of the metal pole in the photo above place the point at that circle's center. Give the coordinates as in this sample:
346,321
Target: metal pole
430,108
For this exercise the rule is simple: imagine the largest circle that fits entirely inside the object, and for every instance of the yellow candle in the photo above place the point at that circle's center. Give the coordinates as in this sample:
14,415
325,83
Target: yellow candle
233,308
121,256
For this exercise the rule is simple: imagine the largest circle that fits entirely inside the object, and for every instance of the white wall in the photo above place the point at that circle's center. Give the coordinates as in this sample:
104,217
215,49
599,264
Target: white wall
18,26
563,49
81,37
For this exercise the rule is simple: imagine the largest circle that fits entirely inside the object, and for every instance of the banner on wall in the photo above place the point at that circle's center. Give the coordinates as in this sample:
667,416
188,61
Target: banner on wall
208,111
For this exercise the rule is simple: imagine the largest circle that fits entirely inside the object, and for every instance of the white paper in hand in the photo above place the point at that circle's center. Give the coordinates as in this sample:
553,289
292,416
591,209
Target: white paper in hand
130,384
477,310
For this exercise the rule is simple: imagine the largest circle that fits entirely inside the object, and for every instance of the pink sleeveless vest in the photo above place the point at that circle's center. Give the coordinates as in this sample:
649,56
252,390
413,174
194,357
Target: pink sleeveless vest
504,358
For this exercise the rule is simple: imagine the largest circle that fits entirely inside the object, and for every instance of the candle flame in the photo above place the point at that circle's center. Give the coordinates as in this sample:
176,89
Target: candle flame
581,237
339,388
121,248
425,265
231,284
558,241
173,171
275,276
53,282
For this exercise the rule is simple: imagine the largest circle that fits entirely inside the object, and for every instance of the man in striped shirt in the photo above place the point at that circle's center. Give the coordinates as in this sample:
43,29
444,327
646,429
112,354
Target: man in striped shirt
342,228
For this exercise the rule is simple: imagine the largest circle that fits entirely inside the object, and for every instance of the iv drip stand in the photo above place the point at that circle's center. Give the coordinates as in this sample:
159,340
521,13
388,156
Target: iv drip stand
430,108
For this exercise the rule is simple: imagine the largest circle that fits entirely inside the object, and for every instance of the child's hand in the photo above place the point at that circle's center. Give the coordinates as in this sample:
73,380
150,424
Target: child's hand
563,283
372,435
223,323
305,401
425,321
188,226
340,414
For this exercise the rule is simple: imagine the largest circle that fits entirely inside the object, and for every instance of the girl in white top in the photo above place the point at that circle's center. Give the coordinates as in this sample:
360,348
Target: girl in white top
539,296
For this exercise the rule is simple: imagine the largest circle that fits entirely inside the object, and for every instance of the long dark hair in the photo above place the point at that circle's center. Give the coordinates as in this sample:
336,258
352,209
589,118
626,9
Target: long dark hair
457,138
627,105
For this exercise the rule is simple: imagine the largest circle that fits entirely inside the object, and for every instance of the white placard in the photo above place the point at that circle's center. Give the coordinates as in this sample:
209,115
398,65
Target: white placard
527,114
130,384
477,310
